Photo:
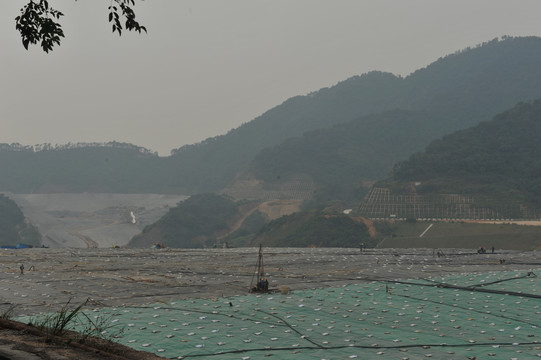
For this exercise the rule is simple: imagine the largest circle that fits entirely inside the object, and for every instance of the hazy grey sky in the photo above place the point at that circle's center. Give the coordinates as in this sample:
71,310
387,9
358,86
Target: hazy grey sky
207,66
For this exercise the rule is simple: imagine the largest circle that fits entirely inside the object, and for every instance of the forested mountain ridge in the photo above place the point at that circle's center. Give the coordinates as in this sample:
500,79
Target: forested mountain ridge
464,86
363,149
100,168
501,157
455,92
215,161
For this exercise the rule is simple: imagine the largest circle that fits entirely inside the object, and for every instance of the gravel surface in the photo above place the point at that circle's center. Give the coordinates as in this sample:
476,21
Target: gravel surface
114,277
133,277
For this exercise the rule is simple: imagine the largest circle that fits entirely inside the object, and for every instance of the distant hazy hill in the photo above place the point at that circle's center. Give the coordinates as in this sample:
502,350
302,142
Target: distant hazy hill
99,168
454,92
363,149
492,170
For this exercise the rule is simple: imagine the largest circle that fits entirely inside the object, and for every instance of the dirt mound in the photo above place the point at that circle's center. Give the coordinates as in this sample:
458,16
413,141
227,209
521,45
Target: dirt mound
25,342
278,208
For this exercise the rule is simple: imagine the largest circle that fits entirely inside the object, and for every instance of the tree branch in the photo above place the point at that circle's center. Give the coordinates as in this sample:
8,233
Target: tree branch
36,22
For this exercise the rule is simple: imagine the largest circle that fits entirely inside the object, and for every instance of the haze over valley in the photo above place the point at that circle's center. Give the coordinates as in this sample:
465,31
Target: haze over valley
323,151
379,162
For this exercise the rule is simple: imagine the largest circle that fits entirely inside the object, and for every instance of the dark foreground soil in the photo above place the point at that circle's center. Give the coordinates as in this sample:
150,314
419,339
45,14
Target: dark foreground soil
25,342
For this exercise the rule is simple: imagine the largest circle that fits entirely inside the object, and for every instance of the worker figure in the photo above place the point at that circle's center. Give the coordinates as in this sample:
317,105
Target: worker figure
22,268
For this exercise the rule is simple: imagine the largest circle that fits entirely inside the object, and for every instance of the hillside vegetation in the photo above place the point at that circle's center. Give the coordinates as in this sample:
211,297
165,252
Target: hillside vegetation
363,149
210,220
489,171
193,223
500,159
314,229
14,229
455,92
99,168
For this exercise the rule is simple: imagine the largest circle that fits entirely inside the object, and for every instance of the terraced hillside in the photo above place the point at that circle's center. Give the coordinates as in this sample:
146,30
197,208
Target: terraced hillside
382,203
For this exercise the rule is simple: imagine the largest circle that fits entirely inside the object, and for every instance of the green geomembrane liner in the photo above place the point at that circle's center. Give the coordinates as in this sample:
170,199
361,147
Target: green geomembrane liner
397,320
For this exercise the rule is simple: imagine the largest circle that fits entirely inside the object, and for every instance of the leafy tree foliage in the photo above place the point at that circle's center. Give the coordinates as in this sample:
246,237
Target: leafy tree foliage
127,12
36,23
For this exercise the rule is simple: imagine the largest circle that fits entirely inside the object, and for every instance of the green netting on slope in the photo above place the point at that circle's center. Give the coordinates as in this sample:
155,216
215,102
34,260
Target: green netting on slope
401,320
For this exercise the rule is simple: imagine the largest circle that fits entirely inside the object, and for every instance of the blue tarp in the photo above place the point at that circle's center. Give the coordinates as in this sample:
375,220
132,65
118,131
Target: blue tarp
18,246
